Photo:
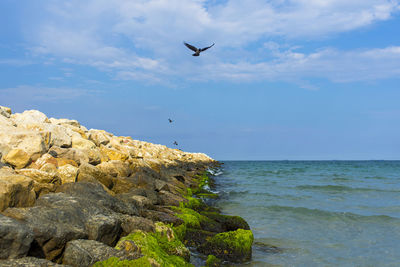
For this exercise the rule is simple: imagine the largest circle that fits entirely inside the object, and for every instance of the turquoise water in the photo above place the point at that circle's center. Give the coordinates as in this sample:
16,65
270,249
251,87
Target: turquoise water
316,213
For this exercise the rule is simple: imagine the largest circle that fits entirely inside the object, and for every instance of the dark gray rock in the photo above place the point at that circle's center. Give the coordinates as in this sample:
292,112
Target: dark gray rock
95,193
29,262
15,238
53,225
84,211
82,253
131,223
161,217
106,229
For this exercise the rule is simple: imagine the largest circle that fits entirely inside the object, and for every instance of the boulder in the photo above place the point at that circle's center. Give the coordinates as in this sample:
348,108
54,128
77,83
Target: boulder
234,246
29,117
15,238
132,223
41,176
95,193
139,201
73,154
87,172
17,158
115,168
44,159
15,190
82,143
68,173
106,229
99,137
114,154
55,220
159,216
83,211
33,143
169,199
83,253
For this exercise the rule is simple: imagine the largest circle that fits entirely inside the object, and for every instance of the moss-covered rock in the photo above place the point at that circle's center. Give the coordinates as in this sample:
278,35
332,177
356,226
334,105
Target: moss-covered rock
193,219
230,223
213,261
193,203
233,246
197,237
116,262
162,247
169,241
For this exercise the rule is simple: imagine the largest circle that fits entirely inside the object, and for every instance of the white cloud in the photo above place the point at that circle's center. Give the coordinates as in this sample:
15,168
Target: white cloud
336,65
43,94
141,40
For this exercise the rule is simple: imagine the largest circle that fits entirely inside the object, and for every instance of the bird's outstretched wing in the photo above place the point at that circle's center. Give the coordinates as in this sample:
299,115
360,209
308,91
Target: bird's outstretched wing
205,48
191,47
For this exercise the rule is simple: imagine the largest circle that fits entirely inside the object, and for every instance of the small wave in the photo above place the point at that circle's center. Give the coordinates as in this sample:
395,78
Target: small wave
331,214
215,171
281,171
341,188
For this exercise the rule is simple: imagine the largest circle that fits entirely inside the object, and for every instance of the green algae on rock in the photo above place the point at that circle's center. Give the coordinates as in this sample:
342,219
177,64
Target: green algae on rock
233,246
160,248
213,261
230,223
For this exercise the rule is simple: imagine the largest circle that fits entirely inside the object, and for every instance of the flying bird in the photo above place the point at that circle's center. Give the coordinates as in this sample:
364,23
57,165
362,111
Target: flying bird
175,143
196,50
170,121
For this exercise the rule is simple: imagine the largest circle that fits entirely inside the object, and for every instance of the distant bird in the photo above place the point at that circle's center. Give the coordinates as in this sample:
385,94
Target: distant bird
170,121
175,143
196,50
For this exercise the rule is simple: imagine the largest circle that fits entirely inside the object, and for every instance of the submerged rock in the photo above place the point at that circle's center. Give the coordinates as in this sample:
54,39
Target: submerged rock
232,246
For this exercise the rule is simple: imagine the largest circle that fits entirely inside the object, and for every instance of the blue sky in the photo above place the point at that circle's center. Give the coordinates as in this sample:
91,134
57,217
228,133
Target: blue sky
286,79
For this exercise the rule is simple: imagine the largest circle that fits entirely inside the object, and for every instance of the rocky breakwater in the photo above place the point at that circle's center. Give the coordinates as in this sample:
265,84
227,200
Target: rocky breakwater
79,197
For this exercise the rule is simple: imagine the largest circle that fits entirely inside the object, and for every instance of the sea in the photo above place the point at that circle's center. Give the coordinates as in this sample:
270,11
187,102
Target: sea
316,213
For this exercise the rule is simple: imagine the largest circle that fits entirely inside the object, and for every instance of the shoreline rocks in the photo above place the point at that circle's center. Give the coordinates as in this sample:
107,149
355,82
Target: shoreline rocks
73,196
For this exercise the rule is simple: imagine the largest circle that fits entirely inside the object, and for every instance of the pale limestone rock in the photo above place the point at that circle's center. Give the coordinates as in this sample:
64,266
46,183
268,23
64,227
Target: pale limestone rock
33,143
115,168
65,121
113,154
99,137
62,162
17,158
45,158
41,176
49,167
60,136
29,117
15,190
68,173
91,173
73,154
82,143
95,156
